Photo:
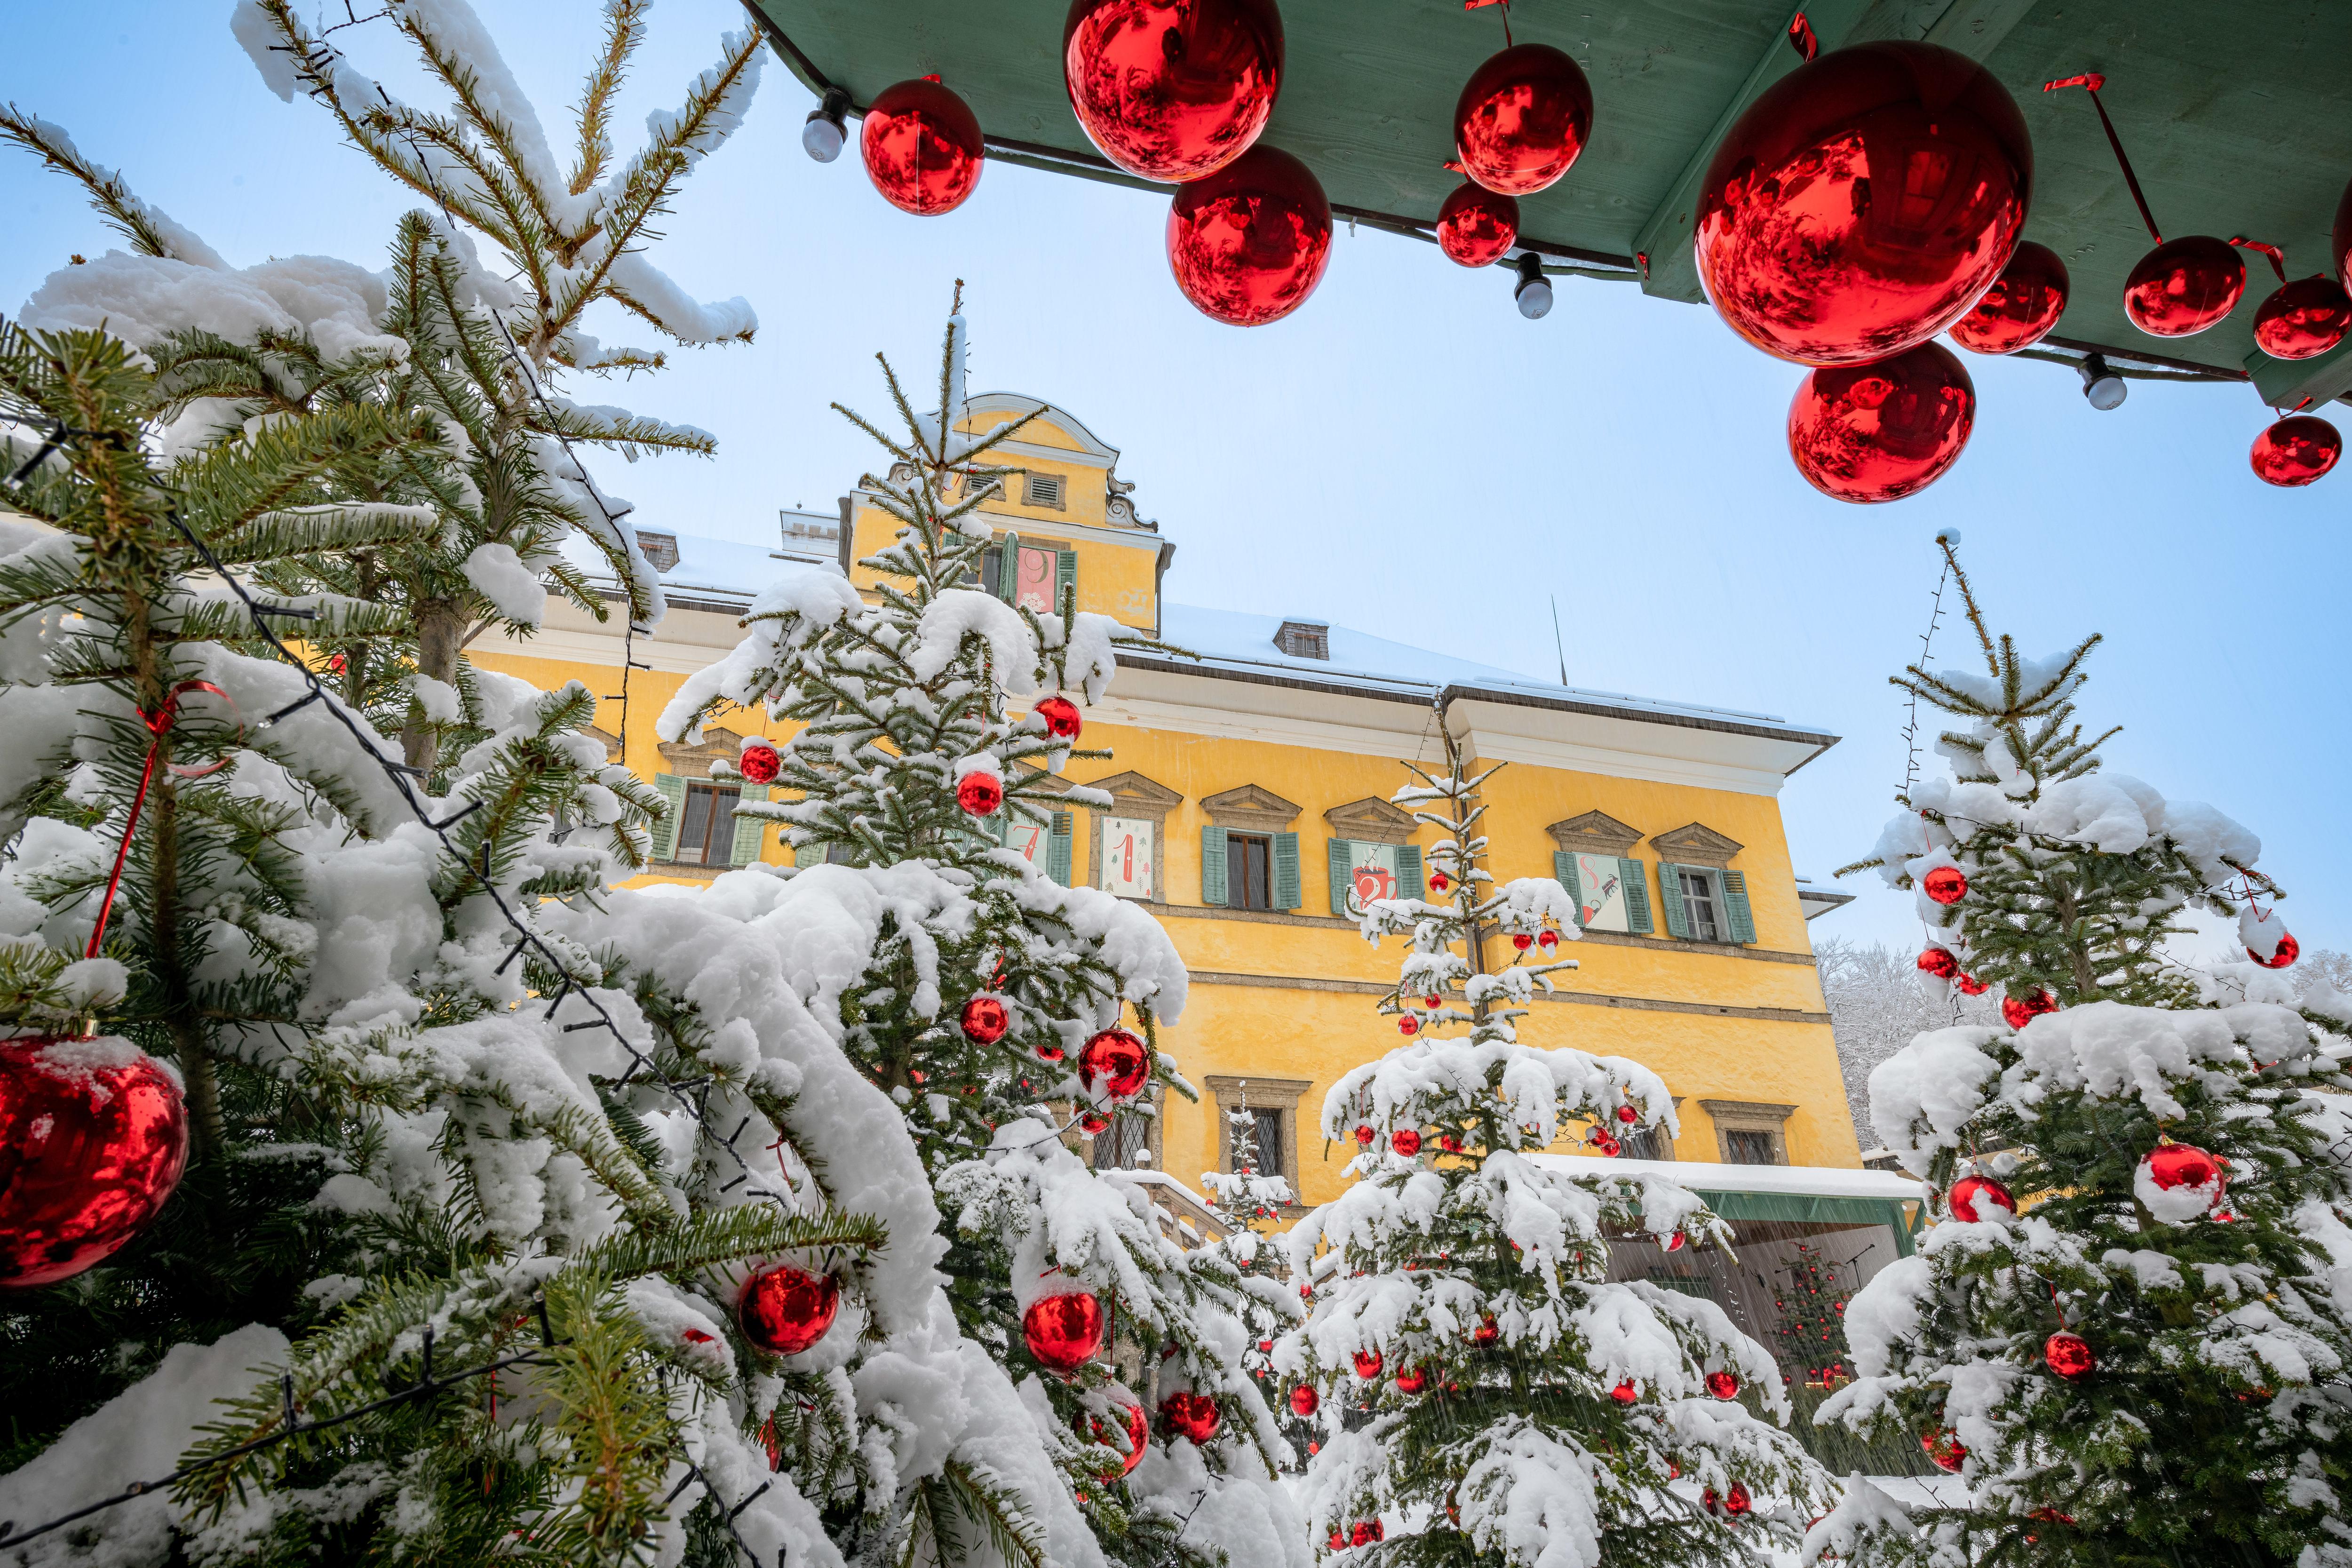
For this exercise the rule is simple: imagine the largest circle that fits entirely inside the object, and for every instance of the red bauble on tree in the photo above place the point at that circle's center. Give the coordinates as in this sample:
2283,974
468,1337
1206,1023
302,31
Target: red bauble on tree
2283,956
2171,1166
1476,228
1304,1401
1522,119
1060,717
1628,1115
985,1019
784,1311
1364,1135
2023,303
1406,1142
1412,1381
1723,1385
2069,1356
1172,90
2019,1011
1094,1123
1064,1331
1863,204
1732,1503
2296,451
1943,1446
1090,1429
2184,286
1939,962
1547,939
1944,884
1970,985
1975,1197
1879,432
1439,882
1118,1059
922,146
1249,243
980,793
1190,1415
1408,1024
2302,320
758,763
1487,1333
1625,1393
1368,1365
93,1138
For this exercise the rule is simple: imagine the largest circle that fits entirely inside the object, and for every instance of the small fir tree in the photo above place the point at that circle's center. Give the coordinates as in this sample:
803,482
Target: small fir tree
1810,1335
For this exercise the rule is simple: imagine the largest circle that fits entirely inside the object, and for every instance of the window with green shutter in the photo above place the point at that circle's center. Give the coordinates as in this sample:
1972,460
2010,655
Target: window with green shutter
672,789
1066,577
1008,567
1563,871
1738,914
807,854
1057,849
1342,862
990,563
750,831
1670,894
1212,865
1285,871
1637,897
1410,883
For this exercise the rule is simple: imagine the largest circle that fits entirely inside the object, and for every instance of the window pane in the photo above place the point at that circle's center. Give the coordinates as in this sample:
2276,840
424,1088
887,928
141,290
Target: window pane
1642,1143
1247,862
1698,902
721,843
694,823
1748,1146
1269,1141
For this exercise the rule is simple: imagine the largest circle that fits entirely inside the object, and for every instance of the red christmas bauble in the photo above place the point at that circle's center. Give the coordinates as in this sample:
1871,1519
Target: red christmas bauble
985,1019
1882,431
1970,985
1094,1123
1723,1385
1625,1393
1675,1242
1090,1429
2302,320
1972,1196
2173,1165
1061,716
1361,1535
1628,1115
1368,1365
1610,1148
1863,204
1944,1446
1413,1382
1064,1331
783,1310
2019,1011
2283,956
1364,1136
2069,1356
1944,884
1522,119
1522,941
1249,243
1438,882
922,147
1736,1501
93,1138
1435,1000
1172,90
1939,962
2296,451
1449,1143
758,763
980,793
2184,286
1190,1415
1405,1141
1118,1059
1487,1332
1546,940
1476,228
1408,1024
1304,1401
2340,251
2023,303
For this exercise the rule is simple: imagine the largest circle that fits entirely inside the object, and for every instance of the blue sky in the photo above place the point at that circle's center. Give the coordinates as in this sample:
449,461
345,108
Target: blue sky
1404,454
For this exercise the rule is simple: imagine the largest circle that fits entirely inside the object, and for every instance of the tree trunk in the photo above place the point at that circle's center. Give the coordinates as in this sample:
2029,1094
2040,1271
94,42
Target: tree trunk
440,639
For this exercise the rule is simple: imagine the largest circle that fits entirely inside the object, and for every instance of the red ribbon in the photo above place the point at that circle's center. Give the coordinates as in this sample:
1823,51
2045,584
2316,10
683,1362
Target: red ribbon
1802,38
2092,81
2278,256
159,724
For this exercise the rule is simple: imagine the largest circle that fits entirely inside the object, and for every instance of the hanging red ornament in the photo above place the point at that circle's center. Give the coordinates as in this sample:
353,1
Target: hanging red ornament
1064,1330
1049,1052
1522,941
1625,1393
1736,1501
1364,1136
1118,1059
1438,882
1522,119
2296,451
2069,1356
1487,1332
1248,244
1863,204
1368,1365
758,763
2282,957
1610,1148
1547,939
985,1019
1973,1197
1675,1242
2019,1011
1970,985
1723,1385
1628,1115
1303,1400
1090,1429
1094,1123
1449,1143
980,793
922,146
93,1138
1879,432
2305,318
1172,90
1060,717
1414,1381
1361,1535
1190,1415
1944,884
2184,286
1943,1447
2021,308
2171,1166
1408,1024
1405,1141
1435,1000
1939,962
1476,228
783,1310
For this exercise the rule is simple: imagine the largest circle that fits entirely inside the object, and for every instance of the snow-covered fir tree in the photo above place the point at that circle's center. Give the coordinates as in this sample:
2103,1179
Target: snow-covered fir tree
1488,1393
2128,1331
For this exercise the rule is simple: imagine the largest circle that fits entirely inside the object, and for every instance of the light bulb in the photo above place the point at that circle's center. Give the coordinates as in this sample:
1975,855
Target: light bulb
2102,385
823,134
1533,290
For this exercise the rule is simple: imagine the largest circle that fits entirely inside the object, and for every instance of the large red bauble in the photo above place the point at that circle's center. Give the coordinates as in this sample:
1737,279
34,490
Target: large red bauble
2283,956
1862,202
1406,1141
1944,1446
2184,286
1172,90
92,1140
1249,243
1368,1365
2019,1011
1060,717
2296,451
922,146
1723,1385
1190,1415
1944,884
1939,962
1064,1331
1487,1332
1522,119
1625,1393
978,794
1971,1195
2023,303
1970,985
1412,1381
985,1019
2069,1356
2302,320
1408,1024
1880,432
758,763
1118,1059
1090,1429
1626,1113
784,1309
2173,1165
1304,1401
1476,228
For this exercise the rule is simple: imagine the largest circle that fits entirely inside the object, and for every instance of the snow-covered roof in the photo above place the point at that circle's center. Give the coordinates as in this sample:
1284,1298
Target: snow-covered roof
1706,1176
720,570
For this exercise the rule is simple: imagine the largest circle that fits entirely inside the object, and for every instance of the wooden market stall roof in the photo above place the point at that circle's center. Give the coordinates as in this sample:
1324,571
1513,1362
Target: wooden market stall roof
2237,118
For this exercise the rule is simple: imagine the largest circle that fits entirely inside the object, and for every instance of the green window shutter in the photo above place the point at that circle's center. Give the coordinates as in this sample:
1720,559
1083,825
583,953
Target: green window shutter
1008,566
1636,884
1285,871
665,832
1065,578
990,565
1670,892
1057,849
1563,871
749,830
1212,863
809,855
1410,883
1342,859
1735,901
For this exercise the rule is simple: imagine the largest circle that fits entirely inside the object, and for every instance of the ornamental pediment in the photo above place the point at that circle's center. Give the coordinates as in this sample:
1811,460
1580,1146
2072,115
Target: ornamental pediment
1594,833
1695,844
1252,806
1371,821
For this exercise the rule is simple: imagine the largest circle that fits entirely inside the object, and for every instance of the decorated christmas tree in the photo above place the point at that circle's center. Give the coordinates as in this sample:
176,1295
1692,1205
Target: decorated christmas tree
2127,1332
1809,1338
1486,1393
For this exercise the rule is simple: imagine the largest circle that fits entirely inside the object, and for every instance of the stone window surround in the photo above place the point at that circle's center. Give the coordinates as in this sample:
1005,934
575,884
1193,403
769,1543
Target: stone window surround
1695,844
1281,1094
1155,1125
1594,833
718,745
1252,808
1371,821
1748,1116
1132,795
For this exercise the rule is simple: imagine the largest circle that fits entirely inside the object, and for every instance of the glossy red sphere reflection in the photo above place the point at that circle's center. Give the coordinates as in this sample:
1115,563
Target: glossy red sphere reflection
1304,1401
1944,1446
1064,1331
985,1019
2019,1011
1118,1059
2023,303
1880,432
2281,956
1475,228
1723,1385
922,147
1172,90
1368,1365
1249,243
1944,884
1060,716
2069,1356
2296,451
1522,119
2173,1165
1939,962
1090,1428
1405,1141
92,1140
1862,202
1973,1198
784,1309
1190,1415
980,794
758,763
2184,286
2302,320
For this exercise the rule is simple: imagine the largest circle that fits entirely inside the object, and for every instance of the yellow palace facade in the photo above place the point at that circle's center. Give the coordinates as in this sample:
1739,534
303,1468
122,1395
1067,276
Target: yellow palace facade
1251,783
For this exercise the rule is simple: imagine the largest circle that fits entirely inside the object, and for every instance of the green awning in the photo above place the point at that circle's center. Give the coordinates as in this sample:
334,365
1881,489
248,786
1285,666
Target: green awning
1811,1208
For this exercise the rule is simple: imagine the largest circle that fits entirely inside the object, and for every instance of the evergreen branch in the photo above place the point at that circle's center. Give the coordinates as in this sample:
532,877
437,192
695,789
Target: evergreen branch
625,29
121,210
